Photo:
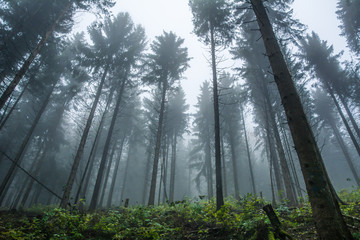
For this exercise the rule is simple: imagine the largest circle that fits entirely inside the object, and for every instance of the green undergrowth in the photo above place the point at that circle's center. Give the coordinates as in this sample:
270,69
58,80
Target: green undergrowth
237,219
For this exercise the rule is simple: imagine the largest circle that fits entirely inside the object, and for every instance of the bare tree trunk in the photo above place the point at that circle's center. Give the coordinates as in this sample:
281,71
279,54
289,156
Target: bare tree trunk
99,178
292,165
289,189
127,163
234,163
158,143
147,172
327,215
17,101
116,170
90,163
248,153
209,169
345,151
80,151
288,182
26,179
351,117
219,190
172,168
273,200
273,158
224,180
106,179
352,137
165,175
10,174
19,75
162,170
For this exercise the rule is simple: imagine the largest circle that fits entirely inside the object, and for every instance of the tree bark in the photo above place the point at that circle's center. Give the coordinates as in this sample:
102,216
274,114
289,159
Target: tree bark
219,190
327,215
80,151
19,75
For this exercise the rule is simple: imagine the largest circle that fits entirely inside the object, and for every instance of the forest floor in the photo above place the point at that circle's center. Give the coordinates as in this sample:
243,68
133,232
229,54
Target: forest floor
188,219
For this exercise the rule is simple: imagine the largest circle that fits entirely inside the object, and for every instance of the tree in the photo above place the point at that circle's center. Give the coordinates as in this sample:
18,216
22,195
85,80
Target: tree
260,91
327,68
46,81
103,54
129,42
177,121
212,24
230,118
61,13
166,64
348,11
325,110
202,145
326,211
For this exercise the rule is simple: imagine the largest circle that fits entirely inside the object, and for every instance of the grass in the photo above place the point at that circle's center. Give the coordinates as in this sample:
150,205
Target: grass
242,219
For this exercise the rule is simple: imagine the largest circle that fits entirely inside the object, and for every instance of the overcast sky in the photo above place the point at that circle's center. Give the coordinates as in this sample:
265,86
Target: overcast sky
157,16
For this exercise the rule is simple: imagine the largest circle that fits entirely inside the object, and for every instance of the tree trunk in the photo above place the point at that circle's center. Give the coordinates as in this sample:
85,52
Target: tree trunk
292,165
89,165
352,137
10,174
19,75
99,178
162,170
327,215
3,121
165,175
345,151
80,151
127,163
289,189
352,120
106,178
273,200
158,143
209,168
116,170
234,163
172,168
273,158
29,181
219,190
248,153
146,173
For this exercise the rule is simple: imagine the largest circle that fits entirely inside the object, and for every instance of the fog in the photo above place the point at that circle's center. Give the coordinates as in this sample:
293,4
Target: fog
107,103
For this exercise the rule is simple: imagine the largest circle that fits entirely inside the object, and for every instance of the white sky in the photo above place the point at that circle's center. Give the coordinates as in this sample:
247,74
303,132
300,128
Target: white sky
174,15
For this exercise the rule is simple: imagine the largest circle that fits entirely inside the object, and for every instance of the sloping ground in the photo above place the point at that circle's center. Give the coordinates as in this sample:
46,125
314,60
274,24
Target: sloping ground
243,219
